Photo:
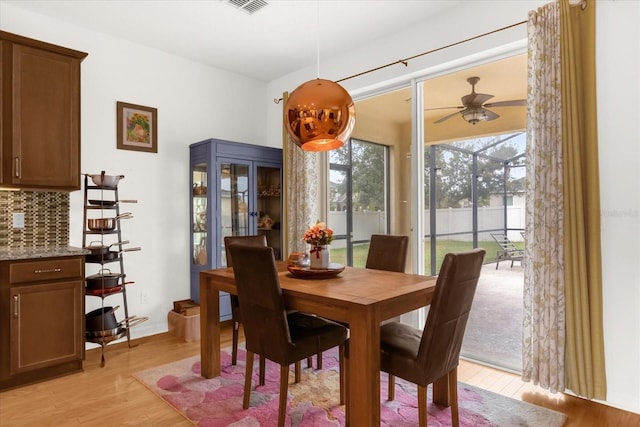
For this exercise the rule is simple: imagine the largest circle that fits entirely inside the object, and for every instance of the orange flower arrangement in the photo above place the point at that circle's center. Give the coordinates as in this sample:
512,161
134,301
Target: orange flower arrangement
318,235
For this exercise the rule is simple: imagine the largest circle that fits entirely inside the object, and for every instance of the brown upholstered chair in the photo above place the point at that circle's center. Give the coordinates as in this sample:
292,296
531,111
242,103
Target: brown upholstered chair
236,315
387,252
423,357
270,331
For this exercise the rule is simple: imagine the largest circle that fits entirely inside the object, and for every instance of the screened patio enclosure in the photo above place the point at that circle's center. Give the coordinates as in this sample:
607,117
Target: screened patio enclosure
473,188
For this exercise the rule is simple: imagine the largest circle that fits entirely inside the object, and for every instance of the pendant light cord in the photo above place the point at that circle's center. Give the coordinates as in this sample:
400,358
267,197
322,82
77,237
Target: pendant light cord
318,38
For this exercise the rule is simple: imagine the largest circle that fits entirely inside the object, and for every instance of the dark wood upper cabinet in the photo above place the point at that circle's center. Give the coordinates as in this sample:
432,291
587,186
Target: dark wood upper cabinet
40,114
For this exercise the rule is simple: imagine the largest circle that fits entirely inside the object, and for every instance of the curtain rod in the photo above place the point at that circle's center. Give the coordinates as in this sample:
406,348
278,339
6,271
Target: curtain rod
405,61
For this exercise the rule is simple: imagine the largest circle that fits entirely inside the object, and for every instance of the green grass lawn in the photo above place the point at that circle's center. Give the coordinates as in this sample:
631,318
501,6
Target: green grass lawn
442,248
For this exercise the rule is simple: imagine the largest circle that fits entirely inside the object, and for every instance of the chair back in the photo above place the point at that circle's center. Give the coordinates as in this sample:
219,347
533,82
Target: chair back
257,241
260,241
439,350
387,252
261,302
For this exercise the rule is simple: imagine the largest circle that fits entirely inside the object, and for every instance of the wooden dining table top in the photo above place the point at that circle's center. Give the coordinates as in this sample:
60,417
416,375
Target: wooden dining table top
360,297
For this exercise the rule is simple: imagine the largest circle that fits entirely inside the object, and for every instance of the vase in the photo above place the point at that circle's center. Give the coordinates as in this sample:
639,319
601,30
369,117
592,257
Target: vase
319,257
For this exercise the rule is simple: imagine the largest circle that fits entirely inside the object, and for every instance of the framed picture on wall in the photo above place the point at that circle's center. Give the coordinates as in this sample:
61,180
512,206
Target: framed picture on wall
137,127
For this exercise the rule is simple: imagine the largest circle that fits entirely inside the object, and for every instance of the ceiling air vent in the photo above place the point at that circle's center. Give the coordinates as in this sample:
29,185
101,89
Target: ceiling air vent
249,6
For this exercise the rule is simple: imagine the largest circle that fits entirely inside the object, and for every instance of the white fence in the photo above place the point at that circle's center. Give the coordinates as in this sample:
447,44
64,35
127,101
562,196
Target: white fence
450,220
459,220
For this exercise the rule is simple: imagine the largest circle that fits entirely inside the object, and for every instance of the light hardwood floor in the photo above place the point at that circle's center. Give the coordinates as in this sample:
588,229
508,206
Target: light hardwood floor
110,396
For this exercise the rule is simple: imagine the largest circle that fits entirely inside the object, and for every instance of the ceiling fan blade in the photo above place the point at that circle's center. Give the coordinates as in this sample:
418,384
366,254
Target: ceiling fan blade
490,114
475,99
443,108
446,117
512,103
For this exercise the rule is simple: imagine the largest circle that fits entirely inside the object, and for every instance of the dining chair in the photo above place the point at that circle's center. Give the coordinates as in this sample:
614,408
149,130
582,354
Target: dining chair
270,331
423,357
236,315
387,252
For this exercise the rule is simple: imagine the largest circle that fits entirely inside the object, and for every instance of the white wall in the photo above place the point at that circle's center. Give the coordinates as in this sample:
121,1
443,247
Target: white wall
618,76
618,88
196,102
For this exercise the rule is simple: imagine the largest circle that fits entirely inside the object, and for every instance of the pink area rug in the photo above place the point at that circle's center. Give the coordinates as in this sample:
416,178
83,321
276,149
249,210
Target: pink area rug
315,400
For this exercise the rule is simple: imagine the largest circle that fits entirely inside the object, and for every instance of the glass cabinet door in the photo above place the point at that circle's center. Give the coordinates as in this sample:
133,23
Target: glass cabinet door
236,190
269,205
199,210
234,203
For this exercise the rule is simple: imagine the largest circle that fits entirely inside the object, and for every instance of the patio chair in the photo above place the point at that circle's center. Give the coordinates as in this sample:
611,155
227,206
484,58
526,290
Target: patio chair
508,251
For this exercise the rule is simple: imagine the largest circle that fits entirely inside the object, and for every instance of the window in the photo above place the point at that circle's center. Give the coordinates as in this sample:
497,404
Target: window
358,199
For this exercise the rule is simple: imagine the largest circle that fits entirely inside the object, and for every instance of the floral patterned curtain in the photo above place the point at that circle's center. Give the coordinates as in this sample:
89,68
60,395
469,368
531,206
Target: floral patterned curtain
300,192
544,304
563,344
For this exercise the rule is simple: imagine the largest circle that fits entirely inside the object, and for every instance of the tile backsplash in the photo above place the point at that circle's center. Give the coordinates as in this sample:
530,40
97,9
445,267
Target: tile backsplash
46,219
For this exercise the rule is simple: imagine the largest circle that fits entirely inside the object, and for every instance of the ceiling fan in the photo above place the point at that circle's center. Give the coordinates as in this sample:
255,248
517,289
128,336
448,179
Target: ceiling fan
474,109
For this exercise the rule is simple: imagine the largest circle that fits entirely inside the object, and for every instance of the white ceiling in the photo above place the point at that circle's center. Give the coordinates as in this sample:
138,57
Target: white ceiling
276,40
283,37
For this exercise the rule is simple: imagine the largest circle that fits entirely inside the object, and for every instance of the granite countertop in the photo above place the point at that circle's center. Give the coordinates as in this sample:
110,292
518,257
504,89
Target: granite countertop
7,254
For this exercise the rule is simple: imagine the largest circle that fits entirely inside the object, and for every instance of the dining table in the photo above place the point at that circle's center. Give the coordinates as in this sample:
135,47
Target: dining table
360,297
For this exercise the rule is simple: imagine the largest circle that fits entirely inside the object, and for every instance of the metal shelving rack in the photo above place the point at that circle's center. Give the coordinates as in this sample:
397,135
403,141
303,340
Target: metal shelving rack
106,208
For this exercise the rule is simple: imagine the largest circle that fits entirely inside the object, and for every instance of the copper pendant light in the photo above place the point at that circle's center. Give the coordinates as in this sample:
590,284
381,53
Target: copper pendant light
319,115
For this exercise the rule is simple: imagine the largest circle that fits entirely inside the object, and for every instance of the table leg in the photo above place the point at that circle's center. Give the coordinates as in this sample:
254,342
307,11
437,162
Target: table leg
209,329
364,368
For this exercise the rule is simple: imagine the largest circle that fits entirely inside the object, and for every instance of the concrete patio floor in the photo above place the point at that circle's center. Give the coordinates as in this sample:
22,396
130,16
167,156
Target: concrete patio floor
494,330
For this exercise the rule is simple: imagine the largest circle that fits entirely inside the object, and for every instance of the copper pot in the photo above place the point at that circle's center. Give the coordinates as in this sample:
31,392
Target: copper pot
106,224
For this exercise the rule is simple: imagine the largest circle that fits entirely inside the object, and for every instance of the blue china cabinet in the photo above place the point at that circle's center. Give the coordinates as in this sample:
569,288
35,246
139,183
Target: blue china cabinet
236,190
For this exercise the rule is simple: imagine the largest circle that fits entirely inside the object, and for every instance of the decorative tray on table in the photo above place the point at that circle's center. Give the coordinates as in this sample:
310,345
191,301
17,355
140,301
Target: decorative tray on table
305,272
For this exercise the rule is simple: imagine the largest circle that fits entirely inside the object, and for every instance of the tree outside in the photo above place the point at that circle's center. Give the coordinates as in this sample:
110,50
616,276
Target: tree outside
453,163
368,166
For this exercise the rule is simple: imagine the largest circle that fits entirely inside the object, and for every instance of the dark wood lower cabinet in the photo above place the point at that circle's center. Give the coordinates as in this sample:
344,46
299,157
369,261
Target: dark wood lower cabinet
42,319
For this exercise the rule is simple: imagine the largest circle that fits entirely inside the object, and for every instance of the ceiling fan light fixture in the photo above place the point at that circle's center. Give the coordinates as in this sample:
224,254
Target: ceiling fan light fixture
474,115
319,115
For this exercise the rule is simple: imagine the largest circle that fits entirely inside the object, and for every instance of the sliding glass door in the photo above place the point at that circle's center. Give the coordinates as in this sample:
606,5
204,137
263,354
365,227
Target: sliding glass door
358,199
455,182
